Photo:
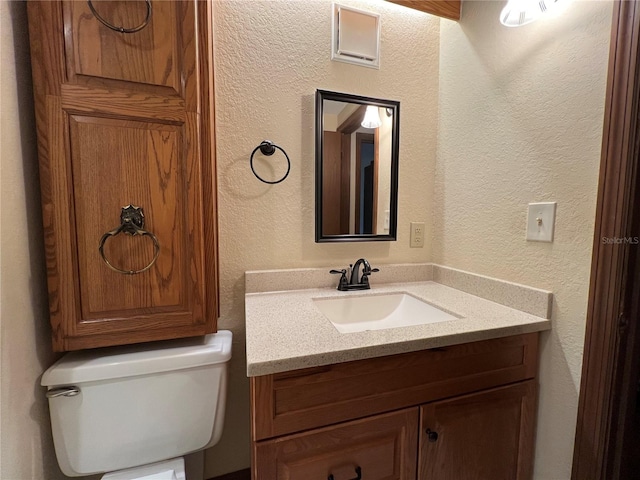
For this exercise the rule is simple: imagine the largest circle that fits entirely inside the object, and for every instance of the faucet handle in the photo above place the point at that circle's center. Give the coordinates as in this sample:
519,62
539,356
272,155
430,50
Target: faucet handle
342,284
365,275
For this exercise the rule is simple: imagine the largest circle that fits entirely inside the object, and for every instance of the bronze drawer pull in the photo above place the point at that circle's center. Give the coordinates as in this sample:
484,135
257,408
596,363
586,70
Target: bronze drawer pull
358,473
144,23
131,223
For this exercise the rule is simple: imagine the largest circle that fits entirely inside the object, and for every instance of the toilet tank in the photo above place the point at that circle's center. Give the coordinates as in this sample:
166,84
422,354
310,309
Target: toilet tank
137,404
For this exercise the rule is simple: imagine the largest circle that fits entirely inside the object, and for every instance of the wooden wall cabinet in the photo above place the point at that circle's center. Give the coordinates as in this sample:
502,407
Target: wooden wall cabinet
126,118
461,412
450,9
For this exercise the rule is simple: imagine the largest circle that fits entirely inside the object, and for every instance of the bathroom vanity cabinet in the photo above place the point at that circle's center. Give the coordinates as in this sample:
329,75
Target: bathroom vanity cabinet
126,119
460,412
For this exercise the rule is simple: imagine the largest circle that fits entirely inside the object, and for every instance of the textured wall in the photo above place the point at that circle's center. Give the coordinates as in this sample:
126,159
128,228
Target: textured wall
521,114
26,450
270,57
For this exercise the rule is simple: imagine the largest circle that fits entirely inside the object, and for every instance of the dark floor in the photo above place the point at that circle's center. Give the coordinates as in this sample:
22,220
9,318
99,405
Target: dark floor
241,475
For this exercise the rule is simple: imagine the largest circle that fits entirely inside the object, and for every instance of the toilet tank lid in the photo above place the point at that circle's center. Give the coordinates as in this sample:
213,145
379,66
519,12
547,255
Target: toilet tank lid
140,359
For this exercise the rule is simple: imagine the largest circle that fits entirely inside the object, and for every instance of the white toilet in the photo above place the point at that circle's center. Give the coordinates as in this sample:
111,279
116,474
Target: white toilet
142,406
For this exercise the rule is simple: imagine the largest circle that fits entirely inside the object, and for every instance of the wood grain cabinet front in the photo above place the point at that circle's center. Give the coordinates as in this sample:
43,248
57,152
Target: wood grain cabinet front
381,447
125,119
442,8
482,436
476,401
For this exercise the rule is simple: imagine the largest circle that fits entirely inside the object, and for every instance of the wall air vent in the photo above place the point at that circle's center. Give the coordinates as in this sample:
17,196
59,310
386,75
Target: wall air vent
355,36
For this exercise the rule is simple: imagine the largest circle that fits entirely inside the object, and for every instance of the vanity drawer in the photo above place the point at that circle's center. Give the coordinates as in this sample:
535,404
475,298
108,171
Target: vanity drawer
382,447
299,400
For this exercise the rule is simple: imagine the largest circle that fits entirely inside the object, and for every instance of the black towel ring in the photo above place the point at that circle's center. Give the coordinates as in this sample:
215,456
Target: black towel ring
268,148
144,23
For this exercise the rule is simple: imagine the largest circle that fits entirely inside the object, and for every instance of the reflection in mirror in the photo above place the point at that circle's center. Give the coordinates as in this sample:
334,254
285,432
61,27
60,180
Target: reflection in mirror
356,167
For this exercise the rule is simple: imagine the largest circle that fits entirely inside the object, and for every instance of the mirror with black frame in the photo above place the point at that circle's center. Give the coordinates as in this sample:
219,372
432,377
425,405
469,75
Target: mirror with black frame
357,141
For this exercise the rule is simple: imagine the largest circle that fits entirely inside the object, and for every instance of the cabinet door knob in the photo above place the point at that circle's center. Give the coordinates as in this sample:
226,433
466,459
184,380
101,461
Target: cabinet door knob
431,435
358,473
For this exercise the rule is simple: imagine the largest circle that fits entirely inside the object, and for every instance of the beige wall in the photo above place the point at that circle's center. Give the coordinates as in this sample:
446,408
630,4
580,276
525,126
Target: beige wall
270,57
26,451
521,114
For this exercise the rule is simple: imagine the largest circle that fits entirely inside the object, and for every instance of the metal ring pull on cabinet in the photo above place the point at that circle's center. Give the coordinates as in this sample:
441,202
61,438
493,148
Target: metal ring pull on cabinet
144,23
358,473
131,223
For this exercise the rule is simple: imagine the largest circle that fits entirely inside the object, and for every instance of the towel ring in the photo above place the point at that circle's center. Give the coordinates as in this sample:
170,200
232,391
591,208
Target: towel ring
268,148
144,23
131,223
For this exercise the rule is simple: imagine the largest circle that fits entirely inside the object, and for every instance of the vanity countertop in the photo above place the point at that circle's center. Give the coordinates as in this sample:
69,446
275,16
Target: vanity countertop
285,330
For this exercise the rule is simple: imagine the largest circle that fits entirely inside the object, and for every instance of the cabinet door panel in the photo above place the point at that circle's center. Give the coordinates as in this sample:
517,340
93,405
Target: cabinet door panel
383,447
150,56
482,436
116,163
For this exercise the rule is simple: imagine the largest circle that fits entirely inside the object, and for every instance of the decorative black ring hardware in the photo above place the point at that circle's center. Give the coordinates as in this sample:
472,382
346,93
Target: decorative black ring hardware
131,223
268,148
431,435
358,473
144,23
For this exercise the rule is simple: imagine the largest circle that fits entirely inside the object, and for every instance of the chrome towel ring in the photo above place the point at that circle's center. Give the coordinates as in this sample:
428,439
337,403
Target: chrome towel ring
144,23
268,148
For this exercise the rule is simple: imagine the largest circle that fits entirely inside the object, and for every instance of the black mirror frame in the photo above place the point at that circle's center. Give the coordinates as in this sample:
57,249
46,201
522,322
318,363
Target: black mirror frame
322,95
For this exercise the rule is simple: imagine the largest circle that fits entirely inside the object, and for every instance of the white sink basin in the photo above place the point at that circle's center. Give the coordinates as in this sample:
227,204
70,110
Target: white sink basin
378,312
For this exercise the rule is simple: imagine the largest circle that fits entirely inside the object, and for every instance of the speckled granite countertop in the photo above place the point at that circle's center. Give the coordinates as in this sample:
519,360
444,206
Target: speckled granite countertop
285,331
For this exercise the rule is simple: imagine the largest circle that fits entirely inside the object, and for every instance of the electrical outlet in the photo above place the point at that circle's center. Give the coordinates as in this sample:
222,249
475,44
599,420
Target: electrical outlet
417,235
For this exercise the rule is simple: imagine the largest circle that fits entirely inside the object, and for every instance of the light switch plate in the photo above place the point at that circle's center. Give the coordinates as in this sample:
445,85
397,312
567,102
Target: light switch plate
541,218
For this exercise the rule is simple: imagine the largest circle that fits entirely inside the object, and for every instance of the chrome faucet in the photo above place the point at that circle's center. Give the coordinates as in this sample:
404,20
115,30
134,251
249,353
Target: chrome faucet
355,282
